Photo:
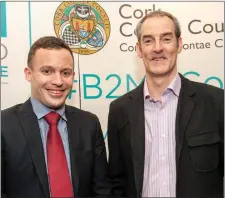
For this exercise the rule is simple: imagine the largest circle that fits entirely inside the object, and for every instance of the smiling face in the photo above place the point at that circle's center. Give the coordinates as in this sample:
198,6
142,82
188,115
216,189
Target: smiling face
51,76
158,46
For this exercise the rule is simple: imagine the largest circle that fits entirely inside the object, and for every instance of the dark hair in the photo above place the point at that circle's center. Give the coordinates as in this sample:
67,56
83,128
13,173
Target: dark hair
47,42
158,13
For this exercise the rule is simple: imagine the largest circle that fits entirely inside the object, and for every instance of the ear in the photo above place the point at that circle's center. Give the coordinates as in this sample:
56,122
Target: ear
180,45
138,49
28,74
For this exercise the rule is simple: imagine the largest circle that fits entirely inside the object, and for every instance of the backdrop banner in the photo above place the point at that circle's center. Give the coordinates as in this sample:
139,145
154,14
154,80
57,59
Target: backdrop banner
101,35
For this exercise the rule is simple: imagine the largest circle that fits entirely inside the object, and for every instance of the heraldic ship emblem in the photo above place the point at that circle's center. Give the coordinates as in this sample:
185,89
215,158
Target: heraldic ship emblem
84,26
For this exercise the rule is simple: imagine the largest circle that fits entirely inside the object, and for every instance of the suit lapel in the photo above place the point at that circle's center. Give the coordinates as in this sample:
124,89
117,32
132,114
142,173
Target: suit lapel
32,133
137,126
73,137
186,104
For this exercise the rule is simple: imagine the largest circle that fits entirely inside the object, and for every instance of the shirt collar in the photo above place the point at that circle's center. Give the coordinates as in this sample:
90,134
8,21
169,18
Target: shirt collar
41,110
174,86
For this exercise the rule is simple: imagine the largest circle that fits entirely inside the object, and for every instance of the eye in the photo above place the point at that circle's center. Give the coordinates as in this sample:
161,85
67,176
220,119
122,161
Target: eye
148,41
167,39
46,71
67,73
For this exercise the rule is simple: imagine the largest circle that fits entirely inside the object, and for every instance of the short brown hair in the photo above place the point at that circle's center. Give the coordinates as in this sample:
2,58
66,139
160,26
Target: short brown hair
158,13
47,42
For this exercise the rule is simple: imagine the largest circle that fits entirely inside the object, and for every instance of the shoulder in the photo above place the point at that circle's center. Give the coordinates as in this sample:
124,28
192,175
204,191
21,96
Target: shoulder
10,112
10,120
208,91
127,97
82,114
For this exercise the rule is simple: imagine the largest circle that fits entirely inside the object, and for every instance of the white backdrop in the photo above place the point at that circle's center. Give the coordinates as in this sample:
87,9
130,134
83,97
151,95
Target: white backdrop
115,68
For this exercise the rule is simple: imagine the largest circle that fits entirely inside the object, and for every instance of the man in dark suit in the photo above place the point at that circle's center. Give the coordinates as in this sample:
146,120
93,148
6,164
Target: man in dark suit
49,149
166,137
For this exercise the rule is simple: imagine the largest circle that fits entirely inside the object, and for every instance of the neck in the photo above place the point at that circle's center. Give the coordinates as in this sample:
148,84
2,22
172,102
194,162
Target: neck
54,108
158,84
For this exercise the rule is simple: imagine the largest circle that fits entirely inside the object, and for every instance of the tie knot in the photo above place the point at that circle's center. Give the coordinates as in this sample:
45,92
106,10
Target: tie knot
52,118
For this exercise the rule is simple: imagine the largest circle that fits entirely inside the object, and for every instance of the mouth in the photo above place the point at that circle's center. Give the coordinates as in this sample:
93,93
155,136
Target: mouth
56,93
158,58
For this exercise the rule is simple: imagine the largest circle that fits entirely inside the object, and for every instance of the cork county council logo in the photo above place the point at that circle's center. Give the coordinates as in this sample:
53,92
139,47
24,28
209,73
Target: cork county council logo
84,26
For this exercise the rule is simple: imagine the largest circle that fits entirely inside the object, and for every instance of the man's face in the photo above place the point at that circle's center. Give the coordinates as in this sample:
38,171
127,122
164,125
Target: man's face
51,76
158,46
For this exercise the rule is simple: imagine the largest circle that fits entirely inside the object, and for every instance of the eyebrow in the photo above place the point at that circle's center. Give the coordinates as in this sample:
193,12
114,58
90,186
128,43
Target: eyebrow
161,35
67,69
46,67
50,67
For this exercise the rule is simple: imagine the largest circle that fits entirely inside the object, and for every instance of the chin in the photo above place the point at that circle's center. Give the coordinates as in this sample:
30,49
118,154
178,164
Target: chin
161,71
55,104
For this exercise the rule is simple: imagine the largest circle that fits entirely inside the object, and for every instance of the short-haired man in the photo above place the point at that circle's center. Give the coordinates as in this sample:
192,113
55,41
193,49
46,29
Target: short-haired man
49,149
166,137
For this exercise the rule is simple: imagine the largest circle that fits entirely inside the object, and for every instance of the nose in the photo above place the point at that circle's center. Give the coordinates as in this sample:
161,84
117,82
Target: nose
158,47
57,80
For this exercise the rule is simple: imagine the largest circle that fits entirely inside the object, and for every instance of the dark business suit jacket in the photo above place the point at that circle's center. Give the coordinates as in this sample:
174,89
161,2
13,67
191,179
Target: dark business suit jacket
199,142
23,171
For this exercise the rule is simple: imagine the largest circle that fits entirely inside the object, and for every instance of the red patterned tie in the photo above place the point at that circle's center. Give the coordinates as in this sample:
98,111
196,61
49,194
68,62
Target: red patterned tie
59,178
